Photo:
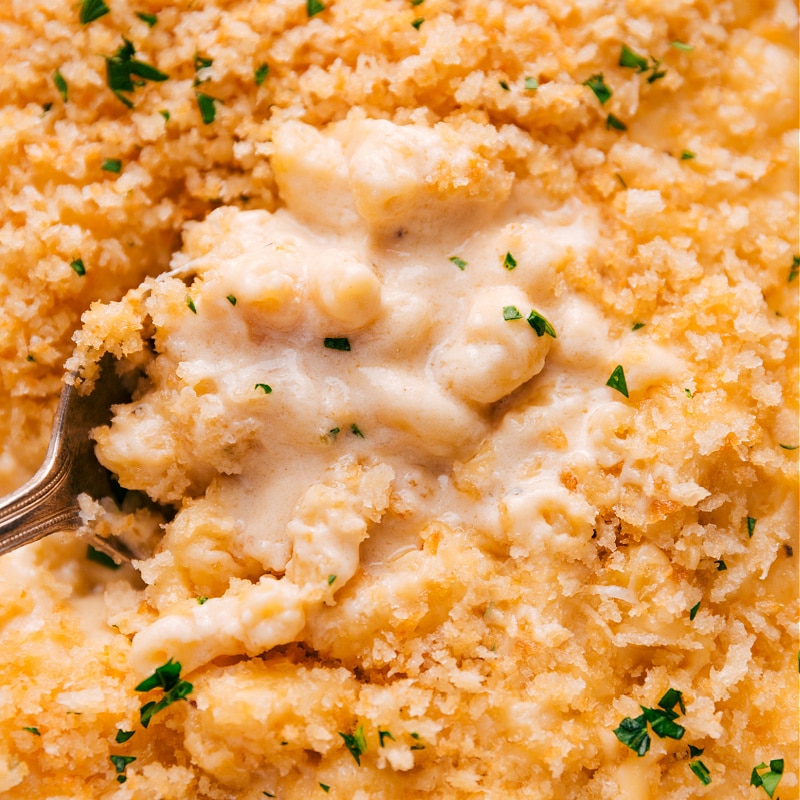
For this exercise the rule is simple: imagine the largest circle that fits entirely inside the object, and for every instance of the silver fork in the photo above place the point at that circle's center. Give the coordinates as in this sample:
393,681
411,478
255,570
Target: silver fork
48,502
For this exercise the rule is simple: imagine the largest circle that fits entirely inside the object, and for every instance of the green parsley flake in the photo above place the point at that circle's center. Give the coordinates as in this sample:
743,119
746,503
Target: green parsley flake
616,123
331,579
417,23
624,186
46,107
356,743
164,113
261,73
789,446
632,732
122,66
540,324
751,526
511,312
314,7
672,698
661,721
356,431
656,75
202,62
637,325
688,155
120,763
768,780
686,48
265,387
202,600
99,557
721,565
531,84
30,358
337,343
632,60
33,730
166,677
694,752
190,304
61,85
325,788
92,10
231,299
111,165
459,262
693,611
78,265
504,85
509,262
795,268
601,91
123,736
150,19
417,2
617,380
701,770
688,392
333,433
417,743
268,794
207,106
384,735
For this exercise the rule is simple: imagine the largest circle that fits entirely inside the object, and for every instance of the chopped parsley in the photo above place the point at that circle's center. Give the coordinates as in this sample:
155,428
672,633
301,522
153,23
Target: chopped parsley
150,19
721,565
617,380
417,2
511,312
356,431
601,90
384,735
92,10
123,736
672,698
122,66
751,526
656,74
509,262
356,743
701,770
632,732
694,752
268,794
120,763
417,23
190,304
531,84
333,433
166,677
331,579
78,265
632,60
662,723
61,85
459,262
207,105
261,73
337,343
417,743
540,324
795,268
624,186
637,325
111,165
32,729
693,611
616,123
202,600
504,85
768,780
265,387
325,788
686,48
231,299
99,557
201,62
30,358
314,7
688,155
688,392
789,446
46,107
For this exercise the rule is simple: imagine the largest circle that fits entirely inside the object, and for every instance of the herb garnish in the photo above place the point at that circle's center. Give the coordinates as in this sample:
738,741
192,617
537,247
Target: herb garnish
693,611
123,736
206,104
111,165
616,123
509,262
686,48
632,732
190,304
99,557
337,343
701,770
150,19
231,299
688,392
637,325
261,73
166,677
531,84
601,90
721,565
33,730
504,85
201,62
356,743
622,182
314,7
751,526
384,735
768,780
795,268
356,431
61,85
459,262
789,446
78,265
511,312
540,324
417,743
122,66
92,10
265,387
331,579
202,600
325,788
417,23
120,763
688,155
631,59
617,380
